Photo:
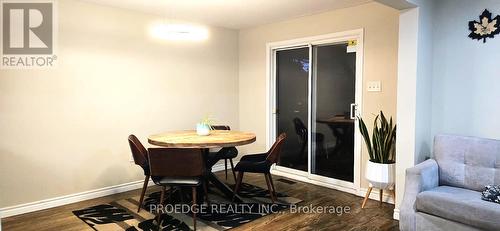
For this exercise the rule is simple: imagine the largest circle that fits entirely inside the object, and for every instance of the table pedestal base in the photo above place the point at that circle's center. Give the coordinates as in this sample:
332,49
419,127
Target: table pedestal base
212,178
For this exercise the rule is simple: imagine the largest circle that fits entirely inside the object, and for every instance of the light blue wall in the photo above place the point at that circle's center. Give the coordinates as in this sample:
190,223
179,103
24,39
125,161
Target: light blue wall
466,72
423,104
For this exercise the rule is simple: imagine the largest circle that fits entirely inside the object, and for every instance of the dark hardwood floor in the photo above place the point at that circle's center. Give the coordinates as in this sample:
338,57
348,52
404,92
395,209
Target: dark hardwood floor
374,216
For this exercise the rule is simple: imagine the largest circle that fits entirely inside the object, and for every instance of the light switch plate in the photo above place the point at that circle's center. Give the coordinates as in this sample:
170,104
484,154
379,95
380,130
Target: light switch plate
374,86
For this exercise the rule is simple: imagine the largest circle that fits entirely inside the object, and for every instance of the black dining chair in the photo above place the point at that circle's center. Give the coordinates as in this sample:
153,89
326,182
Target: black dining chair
261,163
140,155
301,131
226,154
177,167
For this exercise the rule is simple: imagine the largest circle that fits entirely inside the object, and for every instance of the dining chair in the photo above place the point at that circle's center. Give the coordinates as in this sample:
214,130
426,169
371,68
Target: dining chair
140,155
301,131
227,153
177,167
261,163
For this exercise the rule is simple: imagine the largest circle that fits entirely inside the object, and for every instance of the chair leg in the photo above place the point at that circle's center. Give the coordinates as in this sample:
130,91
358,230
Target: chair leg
366,197
193,189
144,187
232,169
304,144
381,192
225,166
158,212
205,189
238,183
272,185
162,196
324,150
269,187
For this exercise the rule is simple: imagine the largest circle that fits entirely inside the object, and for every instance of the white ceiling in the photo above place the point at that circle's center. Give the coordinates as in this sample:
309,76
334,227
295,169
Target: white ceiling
234,14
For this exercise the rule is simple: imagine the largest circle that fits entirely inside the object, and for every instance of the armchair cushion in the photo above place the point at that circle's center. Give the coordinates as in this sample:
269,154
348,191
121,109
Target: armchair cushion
460,205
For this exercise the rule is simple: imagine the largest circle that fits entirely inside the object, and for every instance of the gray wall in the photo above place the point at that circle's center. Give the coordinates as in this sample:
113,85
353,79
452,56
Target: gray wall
466,73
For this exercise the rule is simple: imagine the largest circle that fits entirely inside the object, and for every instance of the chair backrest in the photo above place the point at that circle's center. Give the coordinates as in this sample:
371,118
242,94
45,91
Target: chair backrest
467,162
220,127
275,150
300,129
176,162
139,153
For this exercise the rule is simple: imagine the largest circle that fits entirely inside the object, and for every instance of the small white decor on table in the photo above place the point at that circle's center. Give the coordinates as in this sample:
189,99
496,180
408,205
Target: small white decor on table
380,169
203,128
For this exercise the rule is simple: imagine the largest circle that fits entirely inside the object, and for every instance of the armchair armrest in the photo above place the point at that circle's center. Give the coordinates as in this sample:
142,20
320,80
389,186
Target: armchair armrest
421,177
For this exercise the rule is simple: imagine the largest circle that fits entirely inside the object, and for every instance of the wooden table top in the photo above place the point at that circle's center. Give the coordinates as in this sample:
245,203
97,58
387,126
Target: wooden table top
189,139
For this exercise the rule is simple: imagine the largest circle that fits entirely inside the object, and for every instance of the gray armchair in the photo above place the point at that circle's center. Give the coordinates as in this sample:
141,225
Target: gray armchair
444,193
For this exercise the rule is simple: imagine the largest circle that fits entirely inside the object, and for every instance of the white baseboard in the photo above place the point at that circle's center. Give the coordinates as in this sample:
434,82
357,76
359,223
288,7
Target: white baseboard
77,197
68,199
395,216
374,195
315,182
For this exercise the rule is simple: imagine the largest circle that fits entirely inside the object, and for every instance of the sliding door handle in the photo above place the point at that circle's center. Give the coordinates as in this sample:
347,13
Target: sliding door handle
353,113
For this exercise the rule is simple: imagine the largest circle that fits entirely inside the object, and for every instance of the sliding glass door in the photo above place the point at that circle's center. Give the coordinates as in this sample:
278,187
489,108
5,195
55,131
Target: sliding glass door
315,104
334,86
292,80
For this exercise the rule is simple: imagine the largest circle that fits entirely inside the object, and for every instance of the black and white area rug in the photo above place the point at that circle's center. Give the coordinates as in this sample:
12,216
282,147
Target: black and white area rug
220,214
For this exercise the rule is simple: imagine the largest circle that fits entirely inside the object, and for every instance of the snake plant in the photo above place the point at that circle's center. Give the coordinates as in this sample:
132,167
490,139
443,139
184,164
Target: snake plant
381,146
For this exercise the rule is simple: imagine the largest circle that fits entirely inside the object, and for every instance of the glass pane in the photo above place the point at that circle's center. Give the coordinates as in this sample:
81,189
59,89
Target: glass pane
333,131
292,73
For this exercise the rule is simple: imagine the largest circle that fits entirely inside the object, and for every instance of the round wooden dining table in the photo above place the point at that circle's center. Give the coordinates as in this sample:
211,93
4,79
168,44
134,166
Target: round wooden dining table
189,139
216,139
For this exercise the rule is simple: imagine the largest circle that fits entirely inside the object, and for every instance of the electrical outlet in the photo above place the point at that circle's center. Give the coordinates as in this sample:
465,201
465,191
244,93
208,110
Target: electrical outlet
374,86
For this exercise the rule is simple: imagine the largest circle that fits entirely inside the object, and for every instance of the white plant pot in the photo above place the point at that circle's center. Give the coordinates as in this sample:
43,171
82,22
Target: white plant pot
202,129
381,176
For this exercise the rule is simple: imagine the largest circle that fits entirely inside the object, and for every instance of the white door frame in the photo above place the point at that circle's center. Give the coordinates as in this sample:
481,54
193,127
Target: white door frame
352,187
